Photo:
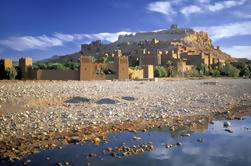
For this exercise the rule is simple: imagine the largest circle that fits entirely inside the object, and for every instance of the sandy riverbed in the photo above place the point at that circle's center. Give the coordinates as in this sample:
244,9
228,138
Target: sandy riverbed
45,114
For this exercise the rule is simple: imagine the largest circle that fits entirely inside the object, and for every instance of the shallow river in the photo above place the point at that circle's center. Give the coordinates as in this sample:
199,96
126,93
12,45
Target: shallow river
208,145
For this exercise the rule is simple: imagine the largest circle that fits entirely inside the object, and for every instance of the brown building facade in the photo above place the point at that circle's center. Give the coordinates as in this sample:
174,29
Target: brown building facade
4,65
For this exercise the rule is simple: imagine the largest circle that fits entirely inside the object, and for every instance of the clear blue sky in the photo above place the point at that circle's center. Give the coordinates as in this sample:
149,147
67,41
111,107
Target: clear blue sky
42,28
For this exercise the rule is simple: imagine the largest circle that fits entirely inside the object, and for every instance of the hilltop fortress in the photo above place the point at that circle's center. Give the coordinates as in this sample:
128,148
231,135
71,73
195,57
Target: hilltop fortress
174,33
183,47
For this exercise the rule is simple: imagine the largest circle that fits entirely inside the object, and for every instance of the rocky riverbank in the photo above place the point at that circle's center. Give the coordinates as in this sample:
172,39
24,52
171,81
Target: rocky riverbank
44,114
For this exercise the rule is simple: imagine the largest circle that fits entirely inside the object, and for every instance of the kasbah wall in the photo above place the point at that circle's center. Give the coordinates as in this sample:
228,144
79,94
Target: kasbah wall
87,70
146,71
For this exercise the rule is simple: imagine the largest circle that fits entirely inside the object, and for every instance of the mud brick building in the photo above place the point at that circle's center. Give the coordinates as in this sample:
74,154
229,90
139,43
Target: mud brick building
4,65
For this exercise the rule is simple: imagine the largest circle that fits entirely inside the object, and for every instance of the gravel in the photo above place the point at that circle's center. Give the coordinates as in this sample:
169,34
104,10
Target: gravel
32,108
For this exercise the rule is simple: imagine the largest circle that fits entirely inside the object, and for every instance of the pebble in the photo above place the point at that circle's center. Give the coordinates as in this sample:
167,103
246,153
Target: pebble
47,112
200,140
136,138
109,149
96,140
59,164
169,146
227,124
229,130
92,155
74,139
186,135
27,162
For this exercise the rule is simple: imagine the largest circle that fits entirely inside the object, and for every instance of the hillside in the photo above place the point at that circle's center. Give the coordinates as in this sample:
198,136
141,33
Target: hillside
129,44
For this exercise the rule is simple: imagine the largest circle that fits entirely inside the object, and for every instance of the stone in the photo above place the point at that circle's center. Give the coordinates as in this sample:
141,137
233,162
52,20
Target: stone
59,164
186,135
96,140
109,149
74,139
169,146
92,155
27,162
200,140
227,124
229,130
113,154
136,138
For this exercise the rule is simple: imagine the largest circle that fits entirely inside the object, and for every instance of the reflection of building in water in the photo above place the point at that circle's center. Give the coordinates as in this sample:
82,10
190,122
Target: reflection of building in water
189,129
199,127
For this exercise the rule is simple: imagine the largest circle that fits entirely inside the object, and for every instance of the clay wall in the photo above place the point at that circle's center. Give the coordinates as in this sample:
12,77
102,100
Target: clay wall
55,74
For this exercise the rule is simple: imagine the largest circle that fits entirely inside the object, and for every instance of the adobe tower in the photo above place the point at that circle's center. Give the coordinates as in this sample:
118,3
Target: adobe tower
25,65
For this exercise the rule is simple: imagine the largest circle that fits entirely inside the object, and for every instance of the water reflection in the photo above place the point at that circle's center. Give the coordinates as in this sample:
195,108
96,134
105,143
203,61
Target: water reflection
218,148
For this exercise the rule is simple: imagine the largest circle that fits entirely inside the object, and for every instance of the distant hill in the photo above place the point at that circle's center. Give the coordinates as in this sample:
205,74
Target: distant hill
129,44
74,57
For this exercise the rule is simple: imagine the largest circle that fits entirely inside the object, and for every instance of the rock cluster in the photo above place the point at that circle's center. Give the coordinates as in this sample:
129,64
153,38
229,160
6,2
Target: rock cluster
127,151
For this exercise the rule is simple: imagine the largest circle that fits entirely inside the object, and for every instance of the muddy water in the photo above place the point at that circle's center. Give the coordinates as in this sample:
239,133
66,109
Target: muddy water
208,144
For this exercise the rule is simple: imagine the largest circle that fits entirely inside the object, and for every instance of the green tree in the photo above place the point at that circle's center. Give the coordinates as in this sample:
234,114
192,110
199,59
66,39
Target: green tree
244,69
194,72
203,69
11,73
40,65
215,72
170,69
19,73
230,70
160,71
60,67
72,65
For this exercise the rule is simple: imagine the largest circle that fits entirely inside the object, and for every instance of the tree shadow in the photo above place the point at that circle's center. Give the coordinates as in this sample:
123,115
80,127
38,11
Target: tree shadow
77,99
107,101
128,98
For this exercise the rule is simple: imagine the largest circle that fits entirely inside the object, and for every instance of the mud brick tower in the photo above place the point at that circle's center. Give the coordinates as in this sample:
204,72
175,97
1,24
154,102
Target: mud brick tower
25,65
86,68
4,65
